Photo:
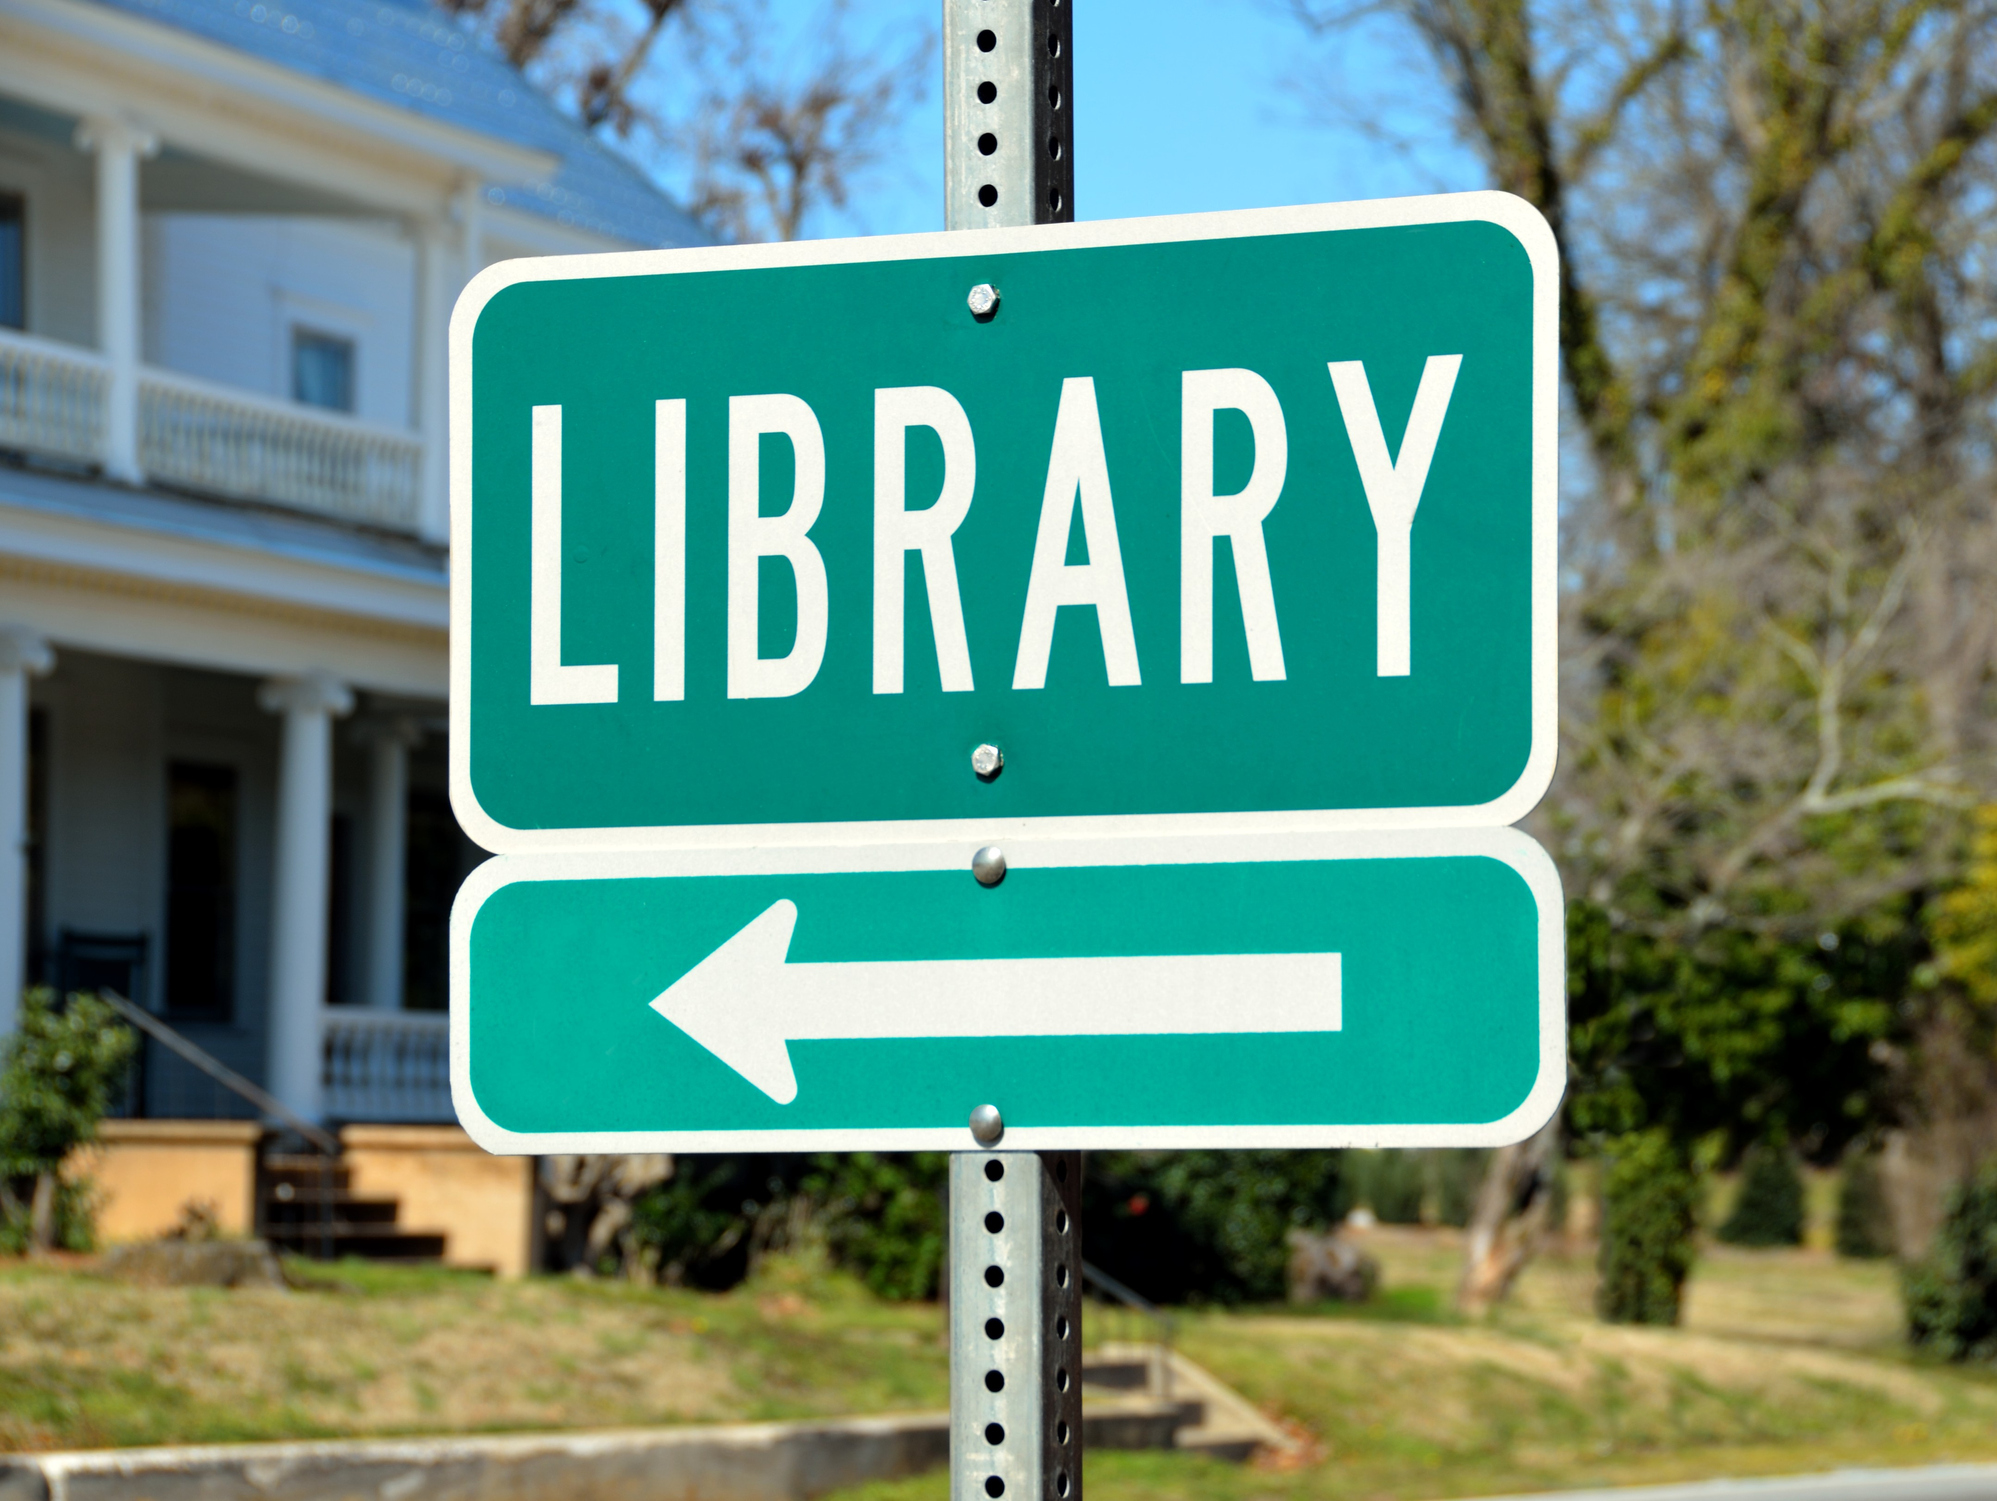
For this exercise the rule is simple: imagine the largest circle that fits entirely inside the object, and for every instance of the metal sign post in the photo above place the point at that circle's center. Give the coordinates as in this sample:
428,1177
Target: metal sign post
1015,1323
1015,1217
1008,113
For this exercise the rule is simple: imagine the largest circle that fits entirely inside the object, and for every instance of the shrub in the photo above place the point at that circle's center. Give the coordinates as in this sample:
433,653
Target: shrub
1205,1226
1951,1293
61,1069
1865,1224
884,1217
881,1215
707,1224
1649,1194
1769,1211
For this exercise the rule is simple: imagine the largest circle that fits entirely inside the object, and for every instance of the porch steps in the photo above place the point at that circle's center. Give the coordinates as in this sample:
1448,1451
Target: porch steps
309,1209
1214,1419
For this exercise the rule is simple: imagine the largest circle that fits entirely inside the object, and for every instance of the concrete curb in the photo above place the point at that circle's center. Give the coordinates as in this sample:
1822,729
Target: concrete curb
729,1462
736,1462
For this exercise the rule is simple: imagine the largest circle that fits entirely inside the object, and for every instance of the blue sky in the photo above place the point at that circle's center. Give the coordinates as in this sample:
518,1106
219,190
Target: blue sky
1191,105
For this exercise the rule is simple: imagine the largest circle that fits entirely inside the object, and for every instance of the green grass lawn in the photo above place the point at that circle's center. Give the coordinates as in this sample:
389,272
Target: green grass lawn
360,1349
1788,1360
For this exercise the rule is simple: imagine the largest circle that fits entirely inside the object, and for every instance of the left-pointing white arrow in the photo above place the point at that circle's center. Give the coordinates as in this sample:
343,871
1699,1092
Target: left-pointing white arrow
745,1004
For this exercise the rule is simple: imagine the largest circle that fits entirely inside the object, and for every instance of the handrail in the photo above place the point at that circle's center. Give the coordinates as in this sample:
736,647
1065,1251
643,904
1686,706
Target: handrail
1136,1302
219,1071
1121,1293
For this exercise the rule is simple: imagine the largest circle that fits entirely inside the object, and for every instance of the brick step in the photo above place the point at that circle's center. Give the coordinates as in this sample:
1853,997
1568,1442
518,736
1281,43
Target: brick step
306,1209
372,1242
302,1172
1115,1373
307,1206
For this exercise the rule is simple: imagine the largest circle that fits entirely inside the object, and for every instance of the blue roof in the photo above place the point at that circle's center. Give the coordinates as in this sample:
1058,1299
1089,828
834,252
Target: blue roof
407,53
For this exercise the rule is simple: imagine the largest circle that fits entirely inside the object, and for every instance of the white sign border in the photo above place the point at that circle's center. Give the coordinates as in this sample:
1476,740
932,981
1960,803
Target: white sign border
1513,848
707,846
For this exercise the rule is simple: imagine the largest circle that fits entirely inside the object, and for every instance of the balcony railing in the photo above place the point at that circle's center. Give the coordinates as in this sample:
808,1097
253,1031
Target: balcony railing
387,1065
211,439
51,398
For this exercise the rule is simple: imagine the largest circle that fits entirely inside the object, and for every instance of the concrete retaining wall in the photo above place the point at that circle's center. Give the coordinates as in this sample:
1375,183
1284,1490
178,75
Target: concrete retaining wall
739,1462
444,1181
148,1172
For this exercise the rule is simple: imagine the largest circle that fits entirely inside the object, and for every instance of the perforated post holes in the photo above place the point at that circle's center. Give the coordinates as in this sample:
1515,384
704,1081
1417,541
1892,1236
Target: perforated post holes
1015,1317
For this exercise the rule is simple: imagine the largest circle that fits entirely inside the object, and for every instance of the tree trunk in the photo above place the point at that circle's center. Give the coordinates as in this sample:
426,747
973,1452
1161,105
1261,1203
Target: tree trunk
41,1214
1509,1221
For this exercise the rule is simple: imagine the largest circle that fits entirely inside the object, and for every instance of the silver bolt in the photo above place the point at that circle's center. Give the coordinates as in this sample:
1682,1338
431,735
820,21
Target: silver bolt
988,865
988,761
983,300
986,1124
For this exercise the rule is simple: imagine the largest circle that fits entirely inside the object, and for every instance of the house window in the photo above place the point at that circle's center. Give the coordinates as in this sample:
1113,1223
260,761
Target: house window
13,261
201,892
322,370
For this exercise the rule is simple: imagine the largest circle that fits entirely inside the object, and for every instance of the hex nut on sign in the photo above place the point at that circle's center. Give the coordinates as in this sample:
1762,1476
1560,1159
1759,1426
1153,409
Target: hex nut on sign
987,761
988,865
984,300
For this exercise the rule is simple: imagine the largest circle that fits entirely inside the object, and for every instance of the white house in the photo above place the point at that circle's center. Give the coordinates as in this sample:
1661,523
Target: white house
230,235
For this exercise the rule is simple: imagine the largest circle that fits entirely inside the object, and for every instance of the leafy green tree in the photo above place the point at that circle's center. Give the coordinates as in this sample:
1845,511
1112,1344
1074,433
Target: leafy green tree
1778,332
884,1217
1750,1036
1769,1210
1864,1222
707,1224
1739,1036
1649,1214
1951,1294
881,1216
62,1070
1964,919
1205,1226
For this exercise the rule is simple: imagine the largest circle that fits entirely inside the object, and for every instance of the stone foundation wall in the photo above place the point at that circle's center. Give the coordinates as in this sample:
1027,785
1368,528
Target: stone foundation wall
148,1172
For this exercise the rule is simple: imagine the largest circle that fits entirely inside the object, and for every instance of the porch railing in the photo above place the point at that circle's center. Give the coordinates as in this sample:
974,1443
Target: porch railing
387,1065
211,439
51,398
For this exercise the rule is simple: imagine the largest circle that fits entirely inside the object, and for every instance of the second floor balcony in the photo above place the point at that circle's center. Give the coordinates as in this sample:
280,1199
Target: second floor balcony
208,438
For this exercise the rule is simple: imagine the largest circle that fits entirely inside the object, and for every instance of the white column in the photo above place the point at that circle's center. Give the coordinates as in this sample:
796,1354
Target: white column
119,146
389,743
436,290
308,703
22,652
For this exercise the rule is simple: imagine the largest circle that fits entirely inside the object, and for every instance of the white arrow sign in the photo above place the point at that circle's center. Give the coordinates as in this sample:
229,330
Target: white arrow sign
745,1004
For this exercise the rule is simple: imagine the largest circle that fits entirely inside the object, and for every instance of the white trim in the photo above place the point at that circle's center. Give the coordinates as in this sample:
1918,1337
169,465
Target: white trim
705,844
1513,848
252,570
516,229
